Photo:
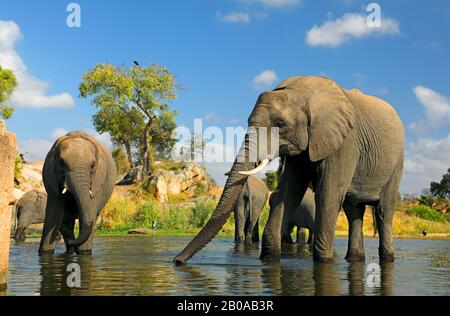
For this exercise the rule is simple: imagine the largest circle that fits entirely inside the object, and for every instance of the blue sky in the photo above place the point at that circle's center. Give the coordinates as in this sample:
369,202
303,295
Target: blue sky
225,52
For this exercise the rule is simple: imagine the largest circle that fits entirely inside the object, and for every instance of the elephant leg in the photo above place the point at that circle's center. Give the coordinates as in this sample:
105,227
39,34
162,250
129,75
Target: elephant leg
334,177
310,236
239,222
301,235
286,232
384,213
53,217
292,186
355,216
255,235
66,230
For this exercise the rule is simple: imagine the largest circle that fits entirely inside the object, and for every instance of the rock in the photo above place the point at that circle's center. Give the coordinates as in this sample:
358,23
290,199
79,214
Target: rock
171,182
18,194
139,231
132,176
7,159
31,176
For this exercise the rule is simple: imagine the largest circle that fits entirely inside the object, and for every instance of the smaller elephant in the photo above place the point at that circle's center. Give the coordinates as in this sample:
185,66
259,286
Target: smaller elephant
251,201
303,217
30,209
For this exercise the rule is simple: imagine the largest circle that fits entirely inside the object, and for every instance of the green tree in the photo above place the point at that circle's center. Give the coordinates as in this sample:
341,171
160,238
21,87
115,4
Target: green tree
135,96
441,189
7,84
121,160
118,124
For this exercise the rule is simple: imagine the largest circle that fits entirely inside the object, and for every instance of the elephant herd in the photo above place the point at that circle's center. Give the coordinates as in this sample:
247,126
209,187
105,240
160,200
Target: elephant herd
338,148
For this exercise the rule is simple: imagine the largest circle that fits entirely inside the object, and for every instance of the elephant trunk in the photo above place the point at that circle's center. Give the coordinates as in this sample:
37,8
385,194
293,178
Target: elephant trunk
19,235
231,192
79,187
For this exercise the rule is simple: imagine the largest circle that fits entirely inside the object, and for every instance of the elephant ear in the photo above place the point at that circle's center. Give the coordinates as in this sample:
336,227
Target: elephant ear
48,171
332,117
99,174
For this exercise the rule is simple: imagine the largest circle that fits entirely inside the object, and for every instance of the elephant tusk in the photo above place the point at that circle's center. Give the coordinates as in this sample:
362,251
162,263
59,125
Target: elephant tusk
261,166
64,190
90,192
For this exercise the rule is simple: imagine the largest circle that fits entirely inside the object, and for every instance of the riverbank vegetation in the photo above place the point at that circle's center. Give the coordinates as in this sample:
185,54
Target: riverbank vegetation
131,207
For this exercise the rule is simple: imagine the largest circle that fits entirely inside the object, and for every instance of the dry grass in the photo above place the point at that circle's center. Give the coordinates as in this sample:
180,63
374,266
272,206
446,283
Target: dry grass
404,225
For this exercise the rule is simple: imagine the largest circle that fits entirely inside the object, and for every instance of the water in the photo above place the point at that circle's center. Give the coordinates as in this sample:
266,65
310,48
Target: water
139,265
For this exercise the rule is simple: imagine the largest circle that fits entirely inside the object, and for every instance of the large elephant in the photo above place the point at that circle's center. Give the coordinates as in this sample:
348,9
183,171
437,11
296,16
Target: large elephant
302,217
347,144
30,209
251,201
79,176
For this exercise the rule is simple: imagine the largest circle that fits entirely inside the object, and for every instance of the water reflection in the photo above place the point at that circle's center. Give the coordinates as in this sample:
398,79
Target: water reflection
54,274
142,266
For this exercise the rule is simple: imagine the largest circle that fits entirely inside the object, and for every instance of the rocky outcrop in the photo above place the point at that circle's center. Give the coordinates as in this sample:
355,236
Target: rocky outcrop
188,179
31,176
7,159
132,176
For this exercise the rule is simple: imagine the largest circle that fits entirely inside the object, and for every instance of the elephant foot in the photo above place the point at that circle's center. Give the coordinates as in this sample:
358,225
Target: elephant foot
321,256
354,255
270,255
87,252
386,256
239,240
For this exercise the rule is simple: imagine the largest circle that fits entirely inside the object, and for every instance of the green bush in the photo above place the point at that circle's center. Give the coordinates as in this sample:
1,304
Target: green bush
272,180
18,167
427,213
145,213
201,212
426,200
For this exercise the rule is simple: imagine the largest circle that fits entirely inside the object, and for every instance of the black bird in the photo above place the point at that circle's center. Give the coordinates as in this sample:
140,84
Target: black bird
424,232
136,63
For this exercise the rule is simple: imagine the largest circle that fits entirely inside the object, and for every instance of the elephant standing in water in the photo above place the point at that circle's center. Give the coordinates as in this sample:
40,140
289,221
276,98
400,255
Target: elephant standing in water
251,201
79,176
30,209
302,217
348,145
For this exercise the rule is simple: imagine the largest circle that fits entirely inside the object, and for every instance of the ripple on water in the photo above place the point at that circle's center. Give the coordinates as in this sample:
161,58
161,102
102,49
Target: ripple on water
137,265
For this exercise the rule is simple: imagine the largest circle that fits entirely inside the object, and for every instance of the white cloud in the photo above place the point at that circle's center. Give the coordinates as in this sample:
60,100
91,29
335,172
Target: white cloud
35,149
58,132
425,160
264,80
436,106
280,3
30,91
234,17
211,116
333,33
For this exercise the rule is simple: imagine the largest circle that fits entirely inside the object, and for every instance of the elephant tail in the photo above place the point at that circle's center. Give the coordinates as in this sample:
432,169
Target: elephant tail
374,220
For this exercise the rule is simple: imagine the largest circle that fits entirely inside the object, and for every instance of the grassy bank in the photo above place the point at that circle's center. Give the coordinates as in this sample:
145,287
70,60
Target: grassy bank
131,208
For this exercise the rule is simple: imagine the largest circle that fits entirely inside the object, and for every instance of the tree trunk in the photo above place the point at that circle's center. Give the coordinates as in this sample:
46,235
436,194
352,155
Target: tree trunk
129,155
147,164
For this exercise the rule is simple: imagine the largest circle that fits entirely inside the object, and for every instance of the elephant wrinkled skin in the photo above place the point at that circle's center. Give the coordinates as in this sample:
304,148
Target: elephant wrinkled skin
251,201
79,176
30,209
302,217
348,145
